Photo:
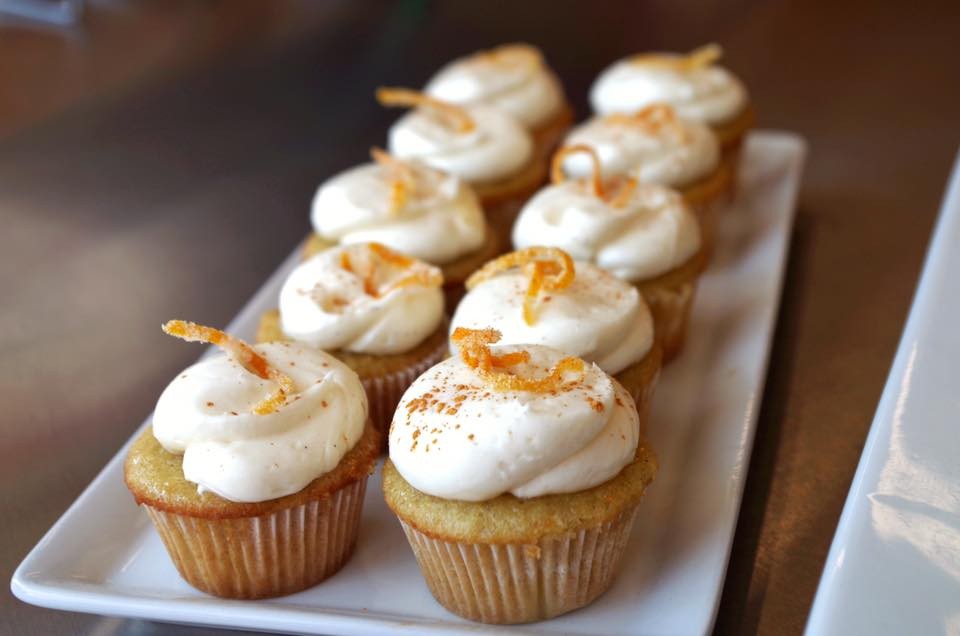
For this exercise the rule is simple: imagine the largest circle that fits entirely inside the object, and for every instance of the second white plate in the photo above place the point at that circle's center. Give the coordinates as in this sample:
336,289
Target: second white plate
103,556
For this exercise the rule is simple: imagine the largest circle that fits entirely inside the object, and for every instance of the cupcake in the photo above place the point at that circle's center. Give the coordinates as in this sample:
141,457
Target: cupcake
516,473
515,79
482,145
255,466
377,311
539,296
653,145
693,84
641,232
410,208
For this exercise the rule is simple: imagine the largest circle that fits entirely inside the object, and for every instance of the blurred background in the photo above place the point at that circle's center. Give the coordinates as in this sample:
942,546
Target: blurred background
157,160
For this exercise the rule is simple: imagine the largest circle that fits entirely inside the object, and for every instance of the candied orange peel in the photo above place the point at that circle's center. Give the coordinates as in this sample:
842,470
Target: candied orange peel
516,54
700,57
548,269
654,118
242,353
615,191
557,175
401,175
456,117
378,260
474,348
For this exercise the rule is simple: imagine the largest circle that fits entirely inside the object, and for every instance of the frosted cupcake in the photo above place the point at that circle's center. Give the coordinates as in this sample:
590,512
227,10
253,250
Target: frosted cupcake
514,78
539,296
379,312
693,84
516,473
482,145
640,232
653,145
410,208
255,466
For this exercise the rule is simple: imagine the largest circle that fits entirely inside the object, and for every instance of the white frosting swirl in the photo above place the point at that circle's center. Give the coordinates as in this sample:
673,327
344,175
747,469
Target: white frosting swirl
496,147
489,442
329,307
708,94
651,233
671,155
441,220
206,414
599,317
511,78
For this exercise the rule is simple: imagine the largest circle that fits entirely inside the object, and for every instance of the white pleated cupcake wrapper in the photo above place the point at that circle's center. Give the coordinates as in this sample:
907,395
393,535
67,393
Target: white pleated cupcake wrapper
384,391
271,555
670,307
520,583
707,214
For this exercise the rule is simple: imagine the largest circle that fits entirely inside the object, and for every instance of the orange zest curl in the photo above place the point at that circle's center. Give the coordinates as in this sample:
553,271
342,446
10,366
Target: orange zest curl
474,348
402,180
654,118
616,191
703,56
557,175
549,382
242,353
700,57
522,55
454,116
548,269
379,260
619,190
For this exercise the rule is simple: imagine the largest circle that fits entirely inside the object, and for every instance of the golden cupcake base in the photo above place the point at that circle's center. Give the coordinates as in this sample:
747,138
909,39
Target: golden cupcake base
640,380
706,199
521,583
512,560
502,200
456,273
547,137
252,550
731,134
261,557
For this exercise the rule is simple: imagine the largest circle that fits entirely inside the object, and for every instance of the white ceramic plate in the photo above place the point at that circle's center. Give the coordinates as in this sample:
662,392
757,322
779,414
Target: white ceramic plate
894,566
103,556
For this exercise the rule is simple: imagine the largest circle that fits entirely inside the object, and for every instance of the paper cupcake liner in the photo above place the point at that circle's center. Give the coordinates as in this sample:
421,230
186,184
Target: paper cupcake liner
642,394
670,307
271,555
643,397
384,391
520,583
707,214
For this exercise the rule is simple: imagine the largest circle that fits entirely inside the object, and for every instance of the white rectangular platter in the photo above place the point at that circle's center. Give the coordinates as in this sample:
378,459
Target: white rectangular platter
894,566
103,556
